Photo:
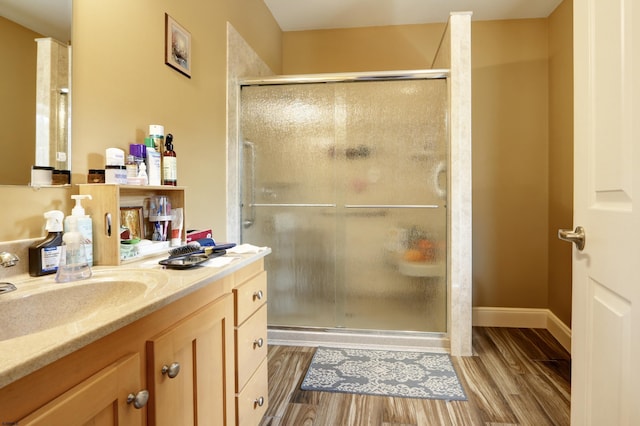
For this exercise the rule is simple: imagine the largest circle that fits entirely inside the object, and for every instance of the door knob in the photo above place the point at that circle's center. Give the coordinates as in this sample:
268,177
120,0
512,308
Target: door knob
578,236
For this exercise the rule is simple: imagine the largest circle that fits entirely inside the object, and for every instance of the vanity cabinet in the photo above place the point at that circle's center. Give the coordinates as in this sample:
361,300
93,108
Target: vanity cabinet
106,398
188,370
92,385
250,322
104,209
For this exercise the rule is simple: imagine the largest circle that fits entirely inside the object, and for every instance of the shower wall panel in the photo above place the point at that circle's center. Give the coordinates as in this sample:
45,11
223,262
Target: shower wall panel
346,182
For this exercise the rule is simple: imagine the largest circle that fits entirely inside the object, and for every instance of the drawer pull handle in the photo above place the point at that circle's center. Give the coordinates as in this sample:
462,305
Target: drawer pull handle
258,295
259,402
258,343
171,370
139,400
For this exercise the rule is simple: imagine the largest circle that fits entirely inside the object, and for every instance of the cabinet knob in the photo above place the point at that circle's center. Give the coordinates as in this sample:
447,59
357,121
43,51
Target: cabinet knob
171,370
258,295
258,402
139,400
258,343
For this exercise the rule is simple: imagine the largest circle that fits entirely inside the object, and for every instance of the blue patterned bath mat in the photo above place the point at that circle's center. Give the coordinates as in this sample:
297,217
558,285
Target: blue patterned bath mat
381,372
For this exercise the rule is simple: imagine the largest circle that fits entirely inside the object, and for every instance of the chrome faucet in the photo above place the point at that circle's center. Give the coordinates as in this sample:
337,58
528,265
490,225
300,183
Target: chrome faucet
8,259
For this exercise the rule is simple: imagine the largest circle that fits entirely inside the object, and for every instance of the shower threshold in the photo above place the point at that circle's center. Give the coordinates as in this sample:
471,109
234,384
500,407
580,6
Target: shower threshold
358,339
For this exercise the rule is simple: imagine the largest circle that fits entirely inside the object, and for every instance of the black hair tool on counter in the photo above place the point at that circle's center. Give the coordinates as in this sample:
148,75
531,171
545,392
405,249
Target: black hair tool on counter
194,253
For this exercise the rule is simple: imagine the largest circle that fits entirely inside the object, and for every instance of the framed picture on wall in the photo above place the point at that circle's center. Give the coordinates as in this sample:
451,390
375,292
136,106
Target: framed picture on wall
177,46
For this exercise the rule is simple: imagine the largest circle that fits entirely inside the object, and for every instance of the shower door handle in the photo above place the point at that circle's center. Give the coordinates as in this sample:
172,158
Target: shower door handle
442,168
578,236
252,181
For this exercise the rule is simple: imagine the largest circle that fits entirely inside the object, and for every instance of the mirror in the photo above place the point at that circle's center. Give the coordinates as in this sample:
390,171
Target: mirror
35,98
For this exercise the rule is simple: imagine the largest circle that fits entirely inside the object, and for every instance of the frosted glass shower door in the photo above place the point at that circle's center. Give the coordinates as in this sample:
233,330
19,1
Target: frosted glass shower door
346,182
288,197
391,206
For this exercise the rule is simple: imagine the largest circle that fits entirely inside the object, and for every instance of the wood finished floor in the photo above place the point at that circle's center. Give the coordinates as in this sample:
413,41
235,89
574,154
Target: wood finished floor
518,377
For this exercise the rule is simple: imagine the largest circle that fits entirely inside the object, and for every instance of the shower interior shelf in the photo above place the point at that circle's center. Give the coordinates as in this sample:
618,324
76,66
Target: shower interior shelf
417,269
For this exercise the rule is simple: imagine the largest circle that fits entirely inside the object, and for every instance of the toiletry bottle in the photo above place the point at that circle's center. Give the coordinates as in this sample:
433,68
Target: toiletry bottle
84,225
169,163
142,174
156,133
73,258
154,167
44,256
132,168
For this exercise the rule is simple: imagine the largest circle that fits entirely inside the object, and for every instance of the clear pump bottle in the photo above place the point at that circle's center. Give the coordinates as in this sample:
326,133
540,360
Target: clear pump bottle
84,225
73,258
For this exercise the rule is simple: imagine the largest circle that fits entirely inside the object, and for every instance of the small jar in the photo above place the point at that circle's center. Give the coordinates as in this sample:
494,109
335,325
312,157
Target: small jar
131,166
61,177
115,174
95,176
41,175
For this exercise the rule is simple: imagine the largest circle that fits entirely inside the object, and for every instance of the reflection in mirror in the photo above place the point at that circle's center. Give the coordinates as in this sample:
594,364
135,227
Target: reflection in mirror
35,87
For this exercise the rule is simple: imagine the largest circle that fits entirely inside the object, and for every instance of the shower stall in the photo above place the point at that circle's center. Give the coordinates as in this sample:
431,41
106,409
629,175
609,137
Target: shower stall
361,186
346,180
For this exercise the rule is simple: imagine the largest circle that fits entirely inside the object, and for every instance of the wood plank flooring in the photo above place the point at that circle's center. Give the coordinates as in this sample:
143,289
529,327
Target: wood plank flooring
517,377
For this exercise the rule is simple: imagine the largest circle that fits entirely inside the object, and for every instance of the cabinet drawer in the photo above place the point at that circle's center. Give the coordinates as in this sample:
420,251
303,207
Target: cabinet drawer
251,346
250,296
252,402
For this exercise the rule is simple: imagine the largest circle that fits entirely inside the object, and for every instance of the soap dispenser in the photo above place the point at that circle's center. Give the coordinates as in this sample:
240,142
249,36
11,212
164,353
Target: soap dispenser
84,225
44,256
73,258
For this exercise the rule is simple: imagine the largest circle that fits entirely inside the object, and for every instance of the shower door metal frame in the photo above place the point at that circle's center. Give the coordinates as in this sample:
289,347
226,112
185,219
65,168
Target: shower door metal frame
346,78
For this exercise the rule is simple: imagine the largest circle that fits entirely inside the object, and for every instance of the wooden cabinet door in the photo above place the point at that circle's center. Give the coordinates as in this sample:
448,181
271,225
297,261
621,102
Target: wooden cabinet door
201,392
101,400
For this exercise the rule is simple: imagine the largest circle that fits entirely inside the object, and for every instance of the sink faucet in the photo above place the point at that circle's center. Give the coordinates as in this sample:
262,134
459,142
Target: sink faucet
8,259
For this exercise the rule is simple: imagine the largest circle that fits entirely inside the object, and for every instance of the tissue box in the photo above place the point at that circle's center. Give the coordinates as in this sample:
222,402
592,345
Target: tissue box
194,235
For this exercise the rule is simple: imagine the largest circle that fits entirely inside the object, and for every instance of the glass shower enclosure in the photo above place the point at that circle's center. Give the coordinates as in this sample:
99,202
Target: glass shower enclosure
346,181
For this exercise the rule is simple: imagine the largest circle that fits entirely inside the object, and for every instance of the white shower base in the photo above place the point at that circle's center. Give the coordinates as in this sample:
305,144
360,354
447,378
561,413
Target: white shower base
408,341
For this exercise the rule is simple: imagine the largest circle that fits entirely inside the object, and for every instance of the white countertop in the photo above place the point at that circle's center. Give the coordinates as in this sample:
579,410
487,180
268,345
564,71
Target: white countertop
20,356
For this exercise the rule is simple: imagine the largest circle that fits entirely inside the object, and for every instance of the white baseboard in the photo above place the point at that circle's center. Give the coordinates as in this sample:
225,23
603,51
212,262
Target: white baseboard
524,318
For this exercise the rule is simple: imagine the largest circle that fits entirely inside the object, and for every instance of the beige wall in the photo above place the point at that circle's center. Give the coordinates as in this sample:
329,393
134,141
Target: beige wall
121,85
18,107
510,163
512,215
365,49
560,157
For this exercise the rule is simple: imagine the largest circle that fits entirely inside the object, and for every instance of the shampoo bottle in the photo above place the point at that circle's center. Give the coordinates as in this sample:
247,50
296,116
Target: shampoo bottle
84,226
44,256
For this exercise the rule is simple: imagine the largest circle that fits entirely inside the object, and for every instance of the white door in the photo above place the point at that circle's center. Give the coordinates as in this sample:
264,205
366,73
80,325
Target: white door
606,274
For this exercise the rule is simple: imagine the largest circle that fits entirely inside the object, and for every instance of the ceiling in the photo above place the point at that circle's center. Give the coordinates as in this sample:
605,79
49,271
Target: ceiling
299,15
53,18
47,17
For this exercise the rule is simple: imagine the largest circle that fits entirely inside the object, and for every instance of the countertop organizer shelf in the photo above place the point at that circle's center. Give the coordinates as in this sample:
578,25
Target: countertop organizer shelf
104,208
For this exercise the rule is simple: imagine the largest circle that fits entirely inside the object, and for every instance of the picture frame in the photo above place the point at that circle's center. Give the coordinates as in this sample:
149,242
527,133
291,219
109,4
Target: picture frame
177,46
132,218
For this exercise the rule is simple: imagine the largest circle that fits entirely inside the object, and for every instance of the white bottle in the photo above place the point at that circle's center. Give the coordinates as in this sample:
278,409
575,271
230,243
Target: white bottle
84,225
142,175
154,170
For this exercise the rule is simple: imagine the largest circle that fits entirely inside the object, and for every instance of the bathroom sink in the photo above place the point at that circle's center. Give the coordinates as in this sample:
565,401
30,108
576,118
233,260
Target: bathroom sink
40,303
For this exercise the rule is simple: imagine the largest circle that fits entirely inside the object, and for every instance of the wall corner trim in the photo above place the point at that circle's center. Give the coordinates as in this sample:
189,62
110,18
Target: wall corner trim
524,318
